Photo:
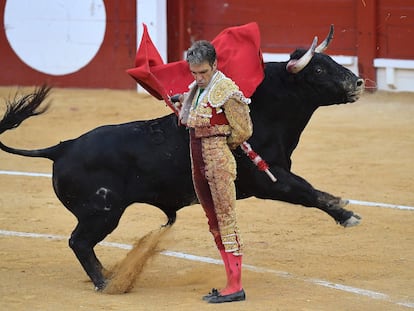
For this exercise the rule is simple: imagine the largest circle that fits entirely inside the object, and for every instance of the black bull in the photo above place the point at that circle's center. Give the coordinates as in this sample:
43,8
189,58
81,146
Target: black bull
99,174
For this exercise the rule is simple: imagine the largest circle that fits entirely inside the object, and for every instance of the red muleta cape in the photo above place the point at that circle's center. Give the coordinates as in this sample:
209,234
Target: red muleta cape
238,56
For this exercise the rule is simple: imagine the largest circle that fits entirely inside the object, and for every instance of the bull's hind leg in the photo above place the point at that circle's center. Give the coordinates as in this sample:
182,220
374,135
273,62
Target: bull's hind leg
90,231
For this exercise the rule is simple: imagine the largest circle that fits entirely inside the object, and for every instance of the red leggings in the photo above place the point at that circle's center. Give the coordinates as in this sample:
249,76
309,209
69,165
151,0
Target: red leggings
202,188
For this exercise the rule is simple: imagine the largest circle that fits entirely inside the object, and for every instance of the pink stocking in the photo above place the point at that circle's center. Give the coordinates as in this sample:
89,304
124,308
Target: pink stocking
233,265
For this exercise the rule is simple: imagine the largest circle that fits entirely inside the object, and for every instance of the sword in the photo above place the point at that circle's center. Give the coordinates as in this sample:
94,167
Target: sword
257,160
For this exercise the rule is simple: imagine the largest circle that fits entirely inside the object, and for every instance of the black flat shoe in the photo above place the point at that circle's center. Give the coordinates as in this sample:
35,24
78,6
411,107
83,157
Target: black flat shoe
214,292
237,296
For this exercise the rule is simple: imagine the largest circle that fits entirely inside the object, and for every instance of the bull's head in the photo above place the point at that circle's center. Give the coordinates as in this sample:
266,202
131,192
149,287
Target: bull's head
327,75
296,65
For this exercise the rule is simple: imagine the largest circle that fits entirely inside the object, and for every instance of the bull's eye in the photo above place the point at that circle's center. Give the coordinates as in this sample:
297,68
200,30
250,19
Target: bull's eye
318,70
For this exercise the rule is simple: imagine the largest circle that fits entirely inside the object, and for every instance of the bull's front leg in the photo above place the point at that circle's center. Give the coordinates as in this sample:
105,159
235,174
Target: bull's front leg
294,189
334,206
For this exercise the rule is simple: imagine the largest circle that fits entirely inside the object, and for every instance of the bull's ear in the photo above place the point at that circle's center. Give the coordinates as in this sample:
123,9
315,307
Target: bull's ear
324,45
296,65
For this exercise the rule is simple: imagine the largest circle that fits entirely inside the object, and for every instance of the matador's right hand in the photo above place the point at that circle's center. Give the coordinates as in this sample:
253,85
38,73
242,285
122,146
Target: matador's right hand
176,100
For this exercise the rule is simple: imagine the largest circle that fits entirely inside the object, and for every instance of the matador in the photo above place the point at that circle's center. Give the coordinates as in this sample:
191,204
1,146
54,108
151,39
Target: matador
217,115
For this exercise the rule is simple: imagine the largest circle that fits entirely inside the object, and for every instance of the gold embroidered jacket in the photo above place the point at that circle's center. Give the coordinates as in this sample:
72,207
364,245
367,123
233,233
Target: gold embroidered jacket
220,110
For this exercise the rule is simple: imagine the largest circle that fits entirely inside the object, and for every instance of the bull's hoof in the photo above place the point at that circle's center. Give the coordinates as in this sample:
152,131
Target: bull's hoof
101,286
352,221
172,217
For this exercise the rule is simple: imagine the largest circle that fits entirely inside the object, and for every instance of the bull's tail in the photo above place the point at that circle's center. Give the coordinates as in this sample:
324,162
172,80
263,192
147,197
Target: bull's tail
20,109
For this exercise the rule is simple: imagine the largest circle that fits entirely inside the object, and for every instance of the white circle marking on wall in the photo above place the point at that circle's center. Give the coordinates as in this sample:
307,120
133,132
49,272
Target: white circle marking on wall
55,37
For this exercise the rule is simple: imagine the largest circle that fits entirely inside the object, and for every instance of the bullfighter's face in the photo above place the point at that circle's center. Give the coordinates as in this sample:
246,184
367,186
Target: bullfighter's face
203,73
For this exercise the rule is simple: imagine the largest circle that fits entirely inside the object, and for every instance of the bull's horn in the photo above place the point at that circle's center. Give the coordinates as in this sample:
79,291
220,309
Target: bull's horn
324,45
296,65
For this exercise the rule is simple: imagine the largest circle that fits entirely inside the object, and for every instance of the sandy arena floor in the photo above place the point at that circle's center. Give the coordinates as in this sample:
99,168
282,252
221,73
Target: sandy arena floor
296,258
